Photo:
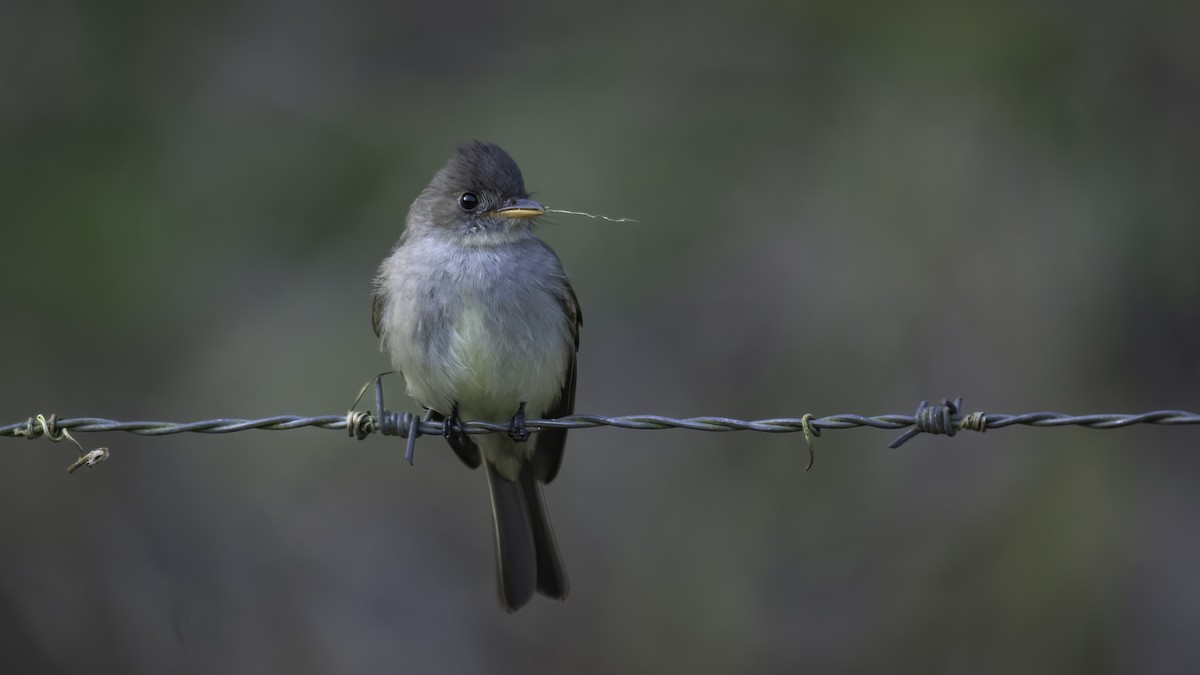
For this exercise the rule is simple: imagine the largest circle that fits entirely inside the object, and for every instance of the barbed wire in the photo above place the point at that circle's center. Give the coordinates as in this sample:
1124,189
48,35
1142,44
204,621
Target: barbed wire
944,418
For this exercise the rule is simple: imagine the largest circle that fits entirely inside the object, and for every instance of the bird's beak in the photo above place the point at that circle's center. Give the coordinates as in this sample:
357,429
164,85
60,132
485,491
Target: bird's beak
522,208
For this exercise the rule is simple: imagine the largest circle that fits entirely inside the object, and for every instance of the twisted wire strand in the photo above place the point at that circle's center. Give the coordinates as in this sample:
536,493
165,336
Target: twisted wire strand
28,429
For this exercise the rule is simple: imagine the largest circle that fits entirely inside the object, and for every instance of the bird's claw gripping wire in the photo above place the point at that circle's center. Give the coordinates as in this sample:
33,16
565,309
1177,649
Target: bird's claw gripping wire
451,424
516,426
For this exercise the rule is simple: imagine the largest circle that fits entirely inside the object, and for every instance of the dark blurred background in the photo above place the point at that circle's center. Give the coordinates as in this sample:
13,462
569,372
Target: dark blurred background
844,207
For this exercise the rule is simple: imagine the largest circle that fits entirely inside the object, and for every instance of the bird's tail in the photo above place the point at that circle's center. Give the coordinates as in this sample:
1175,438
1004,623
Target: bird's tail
527,556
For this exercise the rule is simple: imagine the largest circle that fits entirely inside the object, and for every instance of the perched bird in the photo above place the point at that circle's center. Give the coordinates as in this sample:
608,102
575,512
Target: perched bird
478,315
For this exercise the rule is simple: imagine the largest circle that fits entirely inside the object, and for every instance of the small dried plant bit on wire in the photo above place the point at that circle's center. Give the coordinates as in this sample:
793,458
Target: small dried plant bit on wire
594,216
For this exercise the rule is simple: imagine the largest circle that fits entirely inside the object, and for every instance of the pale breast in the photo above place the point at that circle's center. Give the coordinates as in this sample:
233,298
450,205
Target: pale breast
506,351
480,329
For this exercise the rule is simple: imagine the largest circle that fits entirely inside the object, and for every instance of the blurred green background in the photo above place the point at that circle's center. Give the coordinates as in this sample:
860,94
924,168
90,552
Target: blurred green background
844,207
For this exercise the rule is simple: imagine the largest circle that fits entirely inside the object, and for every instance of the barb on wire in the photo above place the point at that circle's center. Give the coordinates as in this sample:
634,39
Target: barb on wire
40,425
945,418
781,425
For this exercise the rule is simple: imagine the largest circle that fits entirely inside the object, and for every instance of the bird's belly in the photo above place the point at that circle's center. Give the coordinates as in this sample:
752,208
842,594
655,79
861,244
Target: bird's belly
492,362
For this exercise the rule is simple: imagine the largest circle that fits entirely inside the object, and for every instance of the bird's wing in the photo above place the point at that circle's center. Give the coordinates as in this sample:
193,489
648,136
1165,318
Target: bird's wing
550,443
377,312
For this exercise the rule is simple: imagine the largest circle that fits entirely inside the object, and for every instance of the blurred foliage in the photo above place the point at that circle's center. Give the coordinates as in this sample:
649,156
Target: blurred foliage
844,207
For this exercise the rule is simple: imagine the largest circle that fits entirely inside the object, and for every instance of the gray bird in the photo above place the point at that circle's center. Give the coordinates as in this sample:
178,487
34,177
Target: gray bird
478,315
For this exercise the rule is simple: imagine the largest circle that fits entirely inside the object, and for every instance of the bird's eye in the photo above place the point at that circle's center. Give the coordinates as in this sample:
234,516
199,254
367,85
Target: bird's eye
468,201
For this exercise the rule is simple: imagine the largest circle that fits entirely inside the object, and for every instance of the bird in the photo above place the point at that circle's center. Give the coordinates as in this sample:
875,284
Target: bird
477,314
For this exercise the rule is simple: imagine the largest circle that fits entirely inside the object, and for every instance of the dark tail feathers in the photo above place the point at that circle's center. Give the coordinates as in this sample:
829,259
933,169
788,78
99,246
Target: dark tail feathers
527,556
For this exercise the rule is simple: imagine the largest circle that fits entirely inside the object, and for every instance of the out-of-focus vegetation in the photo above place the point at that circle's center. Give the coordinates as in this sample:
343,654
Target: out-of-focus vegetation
843,207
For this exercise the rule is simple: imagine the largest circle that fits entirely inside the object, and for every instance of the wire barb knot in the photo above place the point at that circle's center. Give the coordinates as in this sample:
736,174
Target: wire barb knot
38,426
395,424
944,419
403,424
938,419
360,424
41,425
976,421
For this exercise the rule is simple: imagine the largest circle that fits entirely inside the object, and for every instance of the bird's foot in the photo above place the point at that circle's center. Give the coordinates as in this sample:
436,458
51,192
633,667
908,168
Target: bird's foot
516,426
452,425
